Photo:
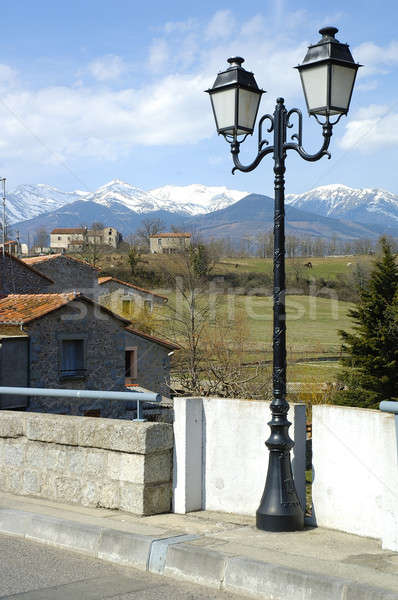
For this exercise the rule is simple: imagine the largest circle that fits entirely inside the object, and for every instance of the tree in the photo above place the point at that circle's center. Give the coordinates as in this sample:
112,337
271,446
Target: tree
134,259
41,239
149,227
371,364
200,260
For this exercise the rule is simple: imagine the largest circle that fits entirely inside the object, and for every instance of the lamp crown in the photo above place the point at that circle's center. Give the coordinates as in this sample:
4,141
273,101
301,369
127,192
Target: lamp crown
236,61
328,32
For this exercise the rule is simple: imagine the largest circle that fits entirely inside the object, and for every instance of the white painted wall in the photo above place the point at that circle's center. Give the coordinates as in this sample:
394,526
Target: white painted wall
229,442
355,486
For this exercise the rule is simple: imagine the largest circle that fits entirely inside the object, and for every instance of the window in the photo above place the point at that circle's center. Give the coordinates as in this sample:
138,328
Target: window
159,242
72,360
130,365
148,305
127,306
59,238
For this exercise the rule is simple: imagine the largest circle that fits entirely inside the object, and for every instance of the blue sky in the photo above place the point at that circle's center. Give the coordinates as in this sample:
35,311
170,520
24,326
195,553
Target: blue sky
96,90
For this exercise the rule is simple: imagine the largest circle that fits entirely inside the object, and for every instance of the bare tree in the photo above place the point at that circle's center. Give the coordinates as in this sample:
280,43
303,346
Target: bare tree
41,239
148,227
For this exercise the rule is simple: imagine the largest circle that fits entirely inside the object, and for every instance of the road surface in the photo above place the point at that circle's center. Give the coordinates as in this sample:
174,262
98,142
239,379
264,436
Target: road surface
31,571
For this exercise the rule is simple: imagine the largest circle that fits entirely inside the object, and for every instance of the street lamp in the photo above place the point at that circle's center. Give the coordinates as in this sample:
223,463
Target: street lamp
327,74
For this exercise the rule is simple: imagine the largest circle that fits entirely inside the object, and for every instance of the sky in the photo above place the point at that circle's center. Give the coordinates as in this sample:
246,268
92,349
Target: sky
94,90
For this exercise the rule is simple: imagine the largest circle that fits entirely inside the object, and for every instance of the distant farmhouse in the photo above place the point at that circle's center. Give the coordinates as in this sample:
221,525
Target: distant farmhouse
169,243
75,238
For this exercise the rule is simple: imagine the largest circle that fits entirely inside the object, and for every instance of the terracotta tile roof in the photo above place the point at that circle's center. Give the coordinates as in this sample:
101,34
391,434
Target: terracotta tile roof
61,230
27,266
10,242
170,235
23,308
16,309
35,260
152,338
102,280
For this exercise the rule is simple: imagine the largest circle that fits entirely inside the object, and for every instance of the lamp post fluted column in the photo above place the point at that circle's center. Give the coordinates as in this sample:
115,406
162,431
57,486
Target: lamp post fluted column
279,500
280,508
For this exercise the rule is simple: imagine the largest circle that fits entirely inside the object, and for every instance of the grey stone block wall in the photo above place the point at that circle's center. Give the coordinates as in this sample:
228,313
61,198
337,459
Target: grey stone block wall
153,364
82,460
17,278
69,275
104,341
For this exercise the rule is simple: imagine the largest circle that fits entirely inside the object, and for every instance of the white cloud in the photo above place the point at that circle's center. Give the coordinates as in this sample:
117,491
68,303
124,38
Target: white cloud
221,26
158,54
373,128
179,26
107,68
168,107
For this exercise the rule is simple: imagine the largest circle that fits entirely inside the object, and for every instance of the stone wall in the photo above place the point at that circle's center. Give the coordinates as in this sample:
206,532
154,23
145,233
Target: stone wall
93,462
18,278
112,293
69,275
104,342
153,364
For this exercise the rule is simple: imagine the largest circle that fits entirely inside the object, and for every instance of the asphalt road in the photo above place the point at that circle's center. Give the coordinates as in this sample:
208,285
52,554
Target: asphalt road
31,571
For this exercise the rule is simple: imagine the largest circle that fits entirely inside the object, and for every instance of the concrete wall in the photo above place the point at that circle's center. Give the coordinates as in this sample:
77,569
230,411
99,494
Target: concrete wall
355,487
220,460
93,462
153,364
69,275
17,278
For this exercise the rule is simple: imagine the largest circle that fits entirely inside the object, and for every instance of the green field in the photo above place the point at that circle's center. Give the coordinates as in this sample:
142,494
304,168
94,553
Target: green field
327,267
312,331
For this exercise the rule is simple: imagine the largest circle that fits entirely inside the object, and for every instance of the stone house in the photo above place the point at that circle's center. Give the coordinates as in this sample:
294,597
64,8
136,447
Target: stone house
127,299
169,243
18,277
64,238
148,361
66,340
67,272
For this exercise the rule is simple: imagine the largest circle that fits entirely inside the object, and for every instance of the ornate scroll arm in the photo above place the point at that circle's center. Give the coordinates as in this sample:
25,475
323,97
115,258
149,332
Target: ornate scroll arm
327,128
296,136
262,141
246,168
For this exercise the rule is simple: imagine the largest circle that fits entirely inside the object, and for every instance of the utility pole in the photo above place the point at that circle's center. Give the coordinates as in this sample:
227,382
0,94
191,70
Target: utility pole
3,180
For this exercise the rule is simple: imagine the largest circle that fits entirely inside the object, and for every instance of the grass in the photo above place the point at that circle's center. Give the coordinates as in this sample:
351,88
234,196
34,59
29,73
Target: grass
328,267
312,331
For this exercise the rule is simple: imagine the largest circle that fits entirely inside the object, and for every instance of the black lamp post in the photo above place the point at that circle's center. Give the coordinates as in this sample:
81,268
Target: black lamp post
327,74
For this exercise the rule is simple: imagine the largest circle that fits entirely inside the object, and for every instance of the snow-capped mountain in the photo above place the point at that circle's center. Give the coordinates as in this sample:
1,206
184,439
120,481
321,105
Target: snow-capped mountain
373,206
29,201
198,199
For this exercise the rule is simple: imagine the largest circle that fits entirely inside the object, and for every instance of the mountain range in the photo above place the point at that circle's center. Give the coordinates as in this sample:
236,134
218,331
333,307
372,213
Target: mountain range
326,211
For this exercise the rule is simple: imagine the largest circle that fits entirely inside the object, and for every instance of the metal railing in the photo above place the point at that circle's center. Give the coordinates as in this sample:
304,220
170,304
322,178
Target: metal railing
127,396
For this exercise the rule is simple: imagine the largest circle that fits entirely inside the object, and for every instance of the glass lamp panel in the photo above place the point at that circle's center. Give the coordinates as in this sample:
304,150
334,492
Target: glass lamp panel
248,105
315,85
224,108
342,84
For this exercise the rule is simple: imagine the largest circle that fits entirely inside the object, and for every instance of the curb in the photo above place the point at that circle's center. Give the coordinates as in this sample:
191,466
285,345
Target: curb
175,557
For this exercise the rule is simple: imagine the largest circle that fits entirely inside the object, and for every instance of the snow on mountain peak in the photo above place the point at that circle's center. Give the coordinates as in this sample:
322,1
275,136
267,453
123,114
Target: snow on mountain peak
28,201
364,205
